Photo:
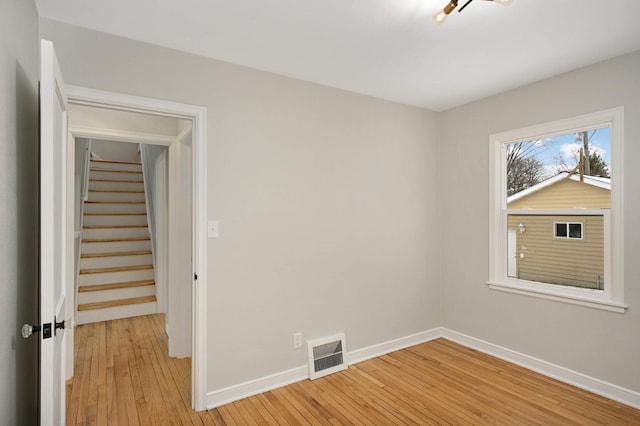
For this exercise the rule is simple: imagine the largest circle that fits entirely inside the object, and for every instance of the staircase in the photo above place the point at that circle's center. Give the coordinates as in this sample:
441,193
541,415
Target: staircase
116,277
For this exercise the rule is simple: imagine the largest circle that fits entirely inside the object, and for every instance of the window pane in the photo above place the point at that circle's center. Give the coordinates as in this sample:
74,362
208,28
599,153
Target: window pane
575,230
545,173
534,254
561,229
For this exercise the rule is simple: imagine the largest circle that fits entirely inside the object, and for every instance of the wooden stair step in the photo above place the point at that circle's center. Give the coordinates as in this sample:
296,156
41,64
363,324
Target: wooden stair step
114,286
115,171
114,254
118,191
114,202
115,214
114,303
113,226
115,269
115,180
116,162
114,240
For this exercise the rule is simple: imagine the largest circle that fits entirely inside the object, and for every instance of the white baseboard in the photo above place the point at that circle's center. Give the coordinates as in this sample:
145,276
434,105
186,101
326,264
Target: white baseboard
608,390
359,355
253,387
582,381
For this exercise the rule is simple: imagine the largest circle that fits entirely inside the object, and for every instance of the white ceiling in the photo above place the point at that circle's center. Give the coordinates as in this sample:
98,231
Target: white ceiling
384,48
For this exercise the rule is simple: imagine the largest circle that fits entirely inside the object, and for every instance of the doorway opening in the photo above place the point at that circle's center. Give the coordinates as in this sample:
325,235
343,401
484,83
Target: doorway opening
172,137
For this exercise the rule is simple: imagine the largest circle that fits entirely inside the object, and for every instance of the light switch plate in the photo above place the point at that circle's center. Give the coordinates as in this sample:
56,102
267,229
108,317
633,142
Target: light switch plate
213,229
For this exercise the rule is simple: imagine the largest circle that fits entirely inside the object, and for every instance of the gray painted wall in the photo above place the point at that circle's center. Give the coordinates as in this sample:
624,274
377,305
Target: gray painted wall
326,202
600,344
19,74
324,193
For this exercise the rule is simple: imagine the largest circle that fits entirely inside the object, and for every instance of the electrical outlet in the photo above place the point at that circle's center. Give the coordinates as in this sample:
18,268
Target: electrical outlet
297,340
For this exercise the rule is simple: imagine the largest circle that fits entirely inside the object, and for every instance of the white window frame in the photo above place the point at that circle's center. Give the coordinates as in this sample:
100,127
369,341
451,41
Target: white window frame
568,226
612,297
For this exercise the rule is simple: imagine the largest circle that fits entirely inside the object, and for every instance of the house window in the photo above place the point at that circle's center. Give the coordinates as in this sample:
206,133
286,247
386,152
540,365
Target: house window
564,176
571,231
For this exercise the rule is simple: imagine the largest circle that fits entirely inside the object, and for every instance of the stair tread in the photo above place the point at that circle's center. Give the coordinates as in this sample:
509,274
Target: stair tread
114,286
114,240
115,254
117,191
115,214
115,171
114,303
116,180
116,162
114,202
115,269
113,226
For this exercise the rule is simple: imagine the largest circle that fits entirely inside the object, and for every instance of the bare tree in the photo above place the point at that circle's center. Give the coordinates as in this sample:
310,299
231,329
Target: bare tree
523,168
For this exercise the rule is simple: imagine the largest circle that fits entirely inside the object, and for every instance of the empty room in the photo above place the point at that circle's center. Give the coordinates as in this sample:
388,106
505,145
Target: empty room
320,212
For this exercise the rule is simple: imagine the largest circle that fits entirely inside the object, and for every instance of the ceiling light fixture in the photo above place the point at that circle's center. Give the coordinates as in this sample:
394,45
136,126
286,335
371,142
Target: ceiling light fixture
441,15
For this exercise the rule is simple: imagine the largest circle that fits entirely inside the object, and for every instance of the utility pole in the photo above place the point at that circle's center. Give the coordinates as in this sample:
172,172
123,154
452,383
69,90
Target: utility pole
587,155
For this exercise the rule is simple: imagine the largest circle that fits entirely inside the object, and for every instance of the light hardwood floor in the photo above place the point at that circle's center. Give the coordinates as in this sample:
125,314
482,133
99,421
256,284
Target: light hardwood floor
123,376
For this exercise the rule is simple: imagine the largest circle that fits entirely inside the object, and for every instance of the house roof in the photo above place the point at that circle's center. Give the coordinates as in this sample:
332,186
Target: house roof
597,181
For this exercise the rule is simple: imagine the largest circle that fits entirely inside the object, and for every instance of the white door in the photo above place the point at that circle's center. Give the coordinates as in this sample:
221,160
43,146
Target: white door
512,261
53,251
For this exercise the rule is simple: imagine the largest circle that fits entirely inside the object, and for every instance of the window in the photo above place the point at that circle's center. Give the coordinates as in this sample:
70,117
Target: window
556,211
572,231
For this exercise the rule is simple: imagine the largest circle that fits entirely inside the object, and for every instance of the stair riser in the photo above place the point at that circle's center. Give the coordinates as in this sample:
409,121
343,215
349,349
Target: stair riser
116,186
116,166
114,208
115,220
115,233
94,174
115,246
116,294
115,277
115,261
96,315
116,196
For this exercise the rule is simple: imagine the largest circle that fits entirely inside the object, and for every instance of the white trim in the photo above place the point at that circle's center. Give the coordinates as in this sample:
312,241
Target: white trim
384,348
612,298
253,387
198,115
233,393
527,288
121,135
565,375
597,386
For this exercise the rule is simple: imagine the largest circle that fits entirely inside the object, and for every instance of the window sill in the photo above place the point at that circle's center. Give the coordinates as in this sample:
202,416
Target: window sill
559,296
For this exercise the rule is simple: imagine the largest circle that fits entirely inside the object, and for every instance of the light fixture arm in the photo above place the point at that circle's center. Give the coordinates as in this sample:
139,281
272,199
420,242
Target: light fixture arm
464,5
442,14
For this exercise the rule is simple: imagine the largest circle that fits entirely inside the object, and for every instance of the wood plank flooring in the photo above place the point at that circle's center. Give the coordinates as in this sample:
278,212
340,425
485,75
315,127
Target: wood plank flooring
123,376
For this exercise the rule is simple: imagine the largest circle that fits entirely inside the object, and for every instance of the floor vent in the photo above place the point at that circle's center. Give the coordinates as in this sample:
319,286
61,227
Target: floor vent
326,355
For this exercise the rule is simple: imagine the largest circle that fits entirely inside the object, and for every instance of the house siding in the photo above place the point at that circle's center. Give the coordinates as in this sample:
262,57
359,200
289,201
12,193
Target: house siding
543,258
565,194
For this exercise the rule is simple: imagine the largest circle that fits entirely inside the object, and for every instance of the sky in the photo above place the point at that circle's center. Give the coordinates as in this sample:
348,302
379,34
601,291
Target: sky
551,149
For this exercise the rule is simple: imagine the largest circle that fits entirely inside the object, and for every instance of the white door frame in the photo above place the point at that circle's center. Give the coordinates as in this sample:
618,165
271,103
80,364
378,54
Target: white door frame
198,115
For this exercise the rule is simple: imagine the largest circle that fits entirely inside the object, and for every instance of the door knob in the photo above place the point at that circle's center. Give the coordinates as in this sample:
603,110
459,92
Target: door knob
28,330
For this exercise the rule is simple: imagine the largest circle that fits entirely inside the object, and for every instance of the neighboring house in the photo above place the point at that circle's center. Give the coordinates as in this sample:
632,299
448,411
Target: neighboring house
559,249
